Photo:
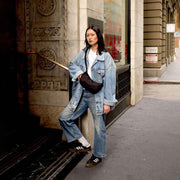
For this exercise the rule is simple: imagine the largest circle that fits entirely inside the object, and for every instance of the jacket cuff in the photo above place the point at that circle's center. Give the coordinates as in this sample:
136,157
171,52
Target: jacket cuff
76,75
110,103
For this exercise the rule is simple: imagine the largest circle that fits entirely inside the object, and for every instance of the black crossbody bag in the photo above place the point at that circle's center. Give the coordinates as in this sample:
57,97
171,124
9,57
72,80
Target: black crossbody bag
87,83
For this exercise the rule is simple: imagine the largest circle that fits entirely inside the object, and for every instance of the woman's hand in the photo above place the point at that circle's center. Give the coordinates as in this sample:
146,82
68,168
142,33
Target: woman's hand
79,77
106,109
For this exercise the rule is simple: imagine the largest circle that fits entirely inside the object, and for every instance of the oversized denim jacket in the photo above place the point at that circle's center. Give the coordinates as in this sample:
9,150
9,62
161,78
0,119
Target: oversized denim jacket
103,70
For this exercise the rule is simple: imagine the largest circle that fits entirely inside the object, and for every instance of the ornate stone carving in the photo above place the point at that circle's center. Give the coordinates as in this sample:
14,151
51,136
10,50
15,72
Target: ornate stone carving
44,63
27,22
46,7
46,31
50,85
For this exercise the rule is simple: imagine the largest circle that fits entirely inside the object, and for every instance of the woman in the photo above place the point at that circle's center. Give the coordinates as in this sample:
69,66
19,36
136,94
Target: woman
101,68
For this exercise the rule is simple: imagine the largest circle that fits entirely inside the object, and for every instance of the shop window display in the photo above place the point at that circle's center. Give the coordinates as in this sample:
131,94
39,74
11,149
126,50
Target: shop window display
116,29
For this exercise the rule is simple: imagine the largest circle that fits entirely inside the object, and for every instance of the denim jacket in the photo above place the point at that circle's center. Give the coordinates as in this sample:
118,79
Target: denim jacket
103,70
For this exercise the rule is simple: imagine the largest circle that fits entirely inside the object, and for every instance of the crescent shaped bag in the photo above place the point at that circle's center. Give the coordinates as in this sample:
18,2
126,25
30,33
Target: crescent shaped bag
87,83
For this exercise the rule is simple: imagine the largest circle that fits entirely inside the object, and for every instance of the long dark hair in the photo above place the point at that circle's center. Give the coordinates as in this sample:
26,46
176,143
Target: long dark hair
101,46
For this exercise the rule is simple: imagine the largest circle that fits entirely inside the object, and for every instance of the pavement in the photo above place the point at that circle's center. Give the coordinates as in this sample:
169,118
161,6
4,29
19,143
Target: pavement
171,75
144,143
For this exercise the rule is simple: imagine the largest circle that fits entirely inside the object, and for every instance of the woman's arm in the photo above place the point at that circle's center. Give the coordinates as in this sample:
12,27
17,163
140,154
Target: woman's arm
110,81
74,66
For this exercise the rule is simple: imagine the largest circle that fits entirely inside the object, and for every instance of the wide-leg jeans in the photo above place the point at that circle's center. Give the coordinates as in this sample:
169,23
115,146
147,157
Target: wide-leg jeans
67,121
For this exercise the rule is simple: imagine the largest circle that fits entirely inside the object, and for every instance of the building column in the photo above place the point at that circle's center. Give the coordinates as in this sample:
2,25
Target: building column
172,36
164,43
154,34
136,51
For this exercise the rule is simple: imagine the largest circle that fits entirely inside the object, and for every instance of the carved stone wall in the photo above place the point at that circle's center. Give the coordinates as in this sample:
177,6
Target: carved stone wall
42,27
46,33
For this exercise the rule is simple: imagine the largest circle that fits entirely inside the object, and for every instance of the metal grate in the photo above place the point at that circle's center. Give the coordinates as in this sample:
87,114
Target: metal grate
121,107
122,94
123,84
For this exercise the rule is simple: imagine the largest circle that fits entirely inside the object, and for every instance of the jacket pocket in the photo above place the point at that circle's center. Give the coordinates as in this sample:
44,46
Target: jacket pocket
101,72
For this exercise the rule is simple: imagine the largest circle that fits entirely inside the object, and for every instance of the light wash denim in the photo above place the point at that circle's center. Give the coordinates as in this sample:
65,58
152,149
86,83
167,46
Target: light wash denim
103,70
71,130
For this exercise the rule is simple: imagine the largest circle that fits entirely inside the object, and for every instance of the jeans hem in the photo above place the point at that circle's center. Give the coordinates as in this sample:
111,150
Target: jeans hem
69,141
102,156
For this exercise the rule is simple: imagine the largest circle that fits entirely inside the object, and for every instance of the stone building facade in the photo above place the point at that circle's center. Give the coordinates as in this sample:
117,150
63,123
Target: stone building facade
177,33
159,44
134,33
56,28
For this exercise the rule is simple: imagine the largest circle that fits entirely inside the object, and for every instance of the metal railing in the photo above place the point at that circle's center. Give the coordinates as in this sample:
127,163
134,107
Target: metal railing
58,64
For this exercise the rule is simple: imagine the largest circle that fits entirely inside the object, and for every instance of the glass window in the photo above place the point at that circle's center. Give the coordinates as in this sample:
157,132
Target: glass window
116,29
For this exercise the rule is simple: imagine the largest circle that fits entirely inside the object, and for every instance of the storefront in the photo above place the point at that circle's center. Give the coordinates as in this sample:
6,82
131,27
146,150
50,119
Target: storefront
117,40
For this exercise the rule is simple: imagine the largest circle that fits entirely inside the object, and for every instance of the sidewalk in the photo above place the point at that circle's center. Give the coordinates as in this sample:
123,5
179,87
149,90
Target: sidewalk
144,143
172,72
171,75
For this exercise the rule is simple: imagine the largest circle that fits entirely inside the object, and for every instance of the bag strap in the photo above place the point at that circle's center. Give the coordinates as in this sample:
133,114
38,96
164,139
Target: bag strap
85,58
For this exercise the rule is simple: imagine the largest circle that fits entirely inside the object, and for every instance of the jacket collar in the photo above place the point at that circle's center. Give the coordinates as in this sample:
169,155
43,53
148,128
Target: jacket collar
99,57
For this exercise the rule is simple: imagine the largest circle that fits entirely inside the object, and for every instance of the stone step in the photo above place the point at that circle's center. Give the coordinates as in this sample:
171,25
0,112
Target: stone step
44,157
